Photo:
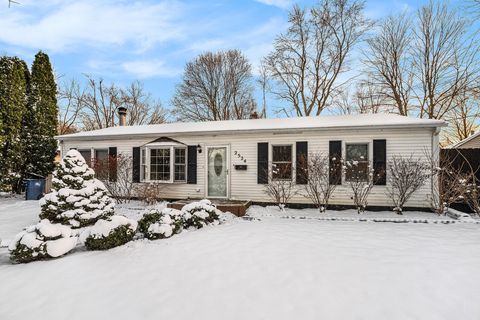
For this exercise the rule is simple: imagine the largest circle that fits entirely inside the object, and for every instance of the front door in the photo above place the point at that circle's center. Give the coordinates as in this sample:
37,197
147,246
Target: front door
217,172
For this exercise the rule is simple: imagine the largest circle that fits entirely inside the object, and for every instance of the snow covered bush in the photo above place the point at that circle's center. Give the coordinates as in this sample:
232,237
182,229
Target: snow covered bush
108,233
406,176
199,214
159,224
42,241
280,187
317,177
78,198
359,176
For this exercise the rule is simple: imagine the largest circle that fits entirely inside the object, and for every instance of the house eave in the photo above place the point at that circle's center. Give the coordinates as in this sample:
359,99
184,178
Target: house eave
298,130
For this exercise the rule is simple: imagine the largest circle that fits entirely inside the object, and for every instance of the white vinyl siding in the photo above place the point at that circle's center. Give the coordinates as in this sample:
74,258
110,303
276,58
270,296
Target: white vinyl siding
243,183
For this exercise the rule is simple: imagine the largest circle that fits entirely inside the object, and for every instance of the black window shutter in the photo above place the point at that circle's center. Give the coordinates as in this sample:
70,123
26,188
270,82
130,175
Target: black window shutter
192,165
380,162
335,162
302,162
262,163
136,164
112,164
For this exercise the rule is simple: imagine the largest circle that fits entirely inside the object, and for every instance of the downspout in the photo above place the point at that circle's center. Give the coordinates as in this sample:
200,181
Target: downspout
435,150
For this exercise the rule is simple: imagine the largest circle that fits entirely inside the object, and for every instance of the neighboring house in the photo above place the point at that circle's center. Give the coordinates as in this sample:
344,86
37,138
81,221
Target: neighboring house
472,142
229,159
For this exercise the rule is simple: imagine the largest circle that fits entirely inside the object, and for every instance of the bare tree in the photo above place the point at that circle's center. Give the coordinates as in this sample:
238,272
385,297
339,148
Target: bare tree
280,189
317,176
70,101
445,59
464,117
264,83
121,187
388,60
309,58
215,86
101,102
142,108
365,98
407,175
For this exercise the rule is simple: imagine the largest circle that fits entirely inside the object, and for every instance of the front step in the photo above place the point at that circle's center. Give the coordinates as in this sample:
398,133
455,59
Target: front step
237,207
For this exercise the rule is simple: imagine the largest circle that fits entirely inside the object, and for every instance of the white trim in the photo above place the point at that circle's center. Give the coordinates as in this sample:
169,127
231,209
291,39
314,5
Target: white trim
227,165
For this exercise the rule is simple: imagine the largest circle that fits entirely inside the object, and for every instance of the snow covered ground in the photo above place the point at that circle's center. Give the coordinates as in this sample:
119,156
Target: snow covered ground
268,268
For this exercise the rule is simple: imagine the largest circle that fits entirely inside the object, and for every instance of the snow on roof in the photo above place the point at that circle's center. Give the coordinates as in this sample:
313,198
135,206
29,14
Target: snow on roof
462,142
382,120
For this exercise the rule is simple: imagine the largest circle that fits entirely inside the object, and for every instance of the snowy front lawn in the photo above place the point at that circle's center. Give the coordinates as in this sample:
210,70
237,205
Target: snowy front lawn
269,268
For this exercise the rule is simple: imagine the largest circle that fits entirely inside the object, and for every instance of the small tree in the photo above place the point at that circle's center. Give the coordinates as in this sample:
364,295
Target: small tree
317,176
407,175
279,189
77,199
360,179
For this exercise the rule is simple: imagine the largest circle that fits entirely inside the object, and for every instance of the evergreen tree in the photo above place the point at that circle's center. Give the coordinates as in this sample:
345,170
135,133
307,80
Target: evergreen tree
78,199
42,118
13,100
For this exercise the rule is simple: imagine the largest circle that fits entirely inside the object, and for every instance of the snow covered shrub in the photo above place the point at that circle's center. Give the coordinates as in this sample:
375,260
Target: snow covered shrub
406,176
199,214
78,198
359,176
42,241
280,187
159,224
108,233
317,177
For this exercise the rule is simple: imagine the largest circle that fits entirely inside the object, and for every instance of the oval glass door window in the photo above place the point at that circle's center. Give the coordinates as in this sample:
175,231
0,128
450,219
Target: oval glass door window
218,164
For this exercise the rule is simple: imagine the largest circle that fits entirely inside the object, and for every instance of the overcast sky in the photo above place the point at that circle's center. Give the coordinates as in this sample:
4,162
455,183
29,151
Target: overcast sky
124,40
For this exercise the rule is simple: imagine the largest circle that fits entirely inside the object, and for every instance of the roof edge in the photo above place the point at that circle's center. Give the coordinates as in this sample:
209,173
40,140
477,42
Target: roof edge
209,132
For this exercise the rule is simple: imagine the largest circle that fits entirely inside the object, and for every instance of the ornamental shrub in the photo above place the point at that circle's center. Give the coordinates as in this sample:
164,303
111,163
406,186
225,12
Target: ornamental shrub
199,214
109,233
160,224
42,241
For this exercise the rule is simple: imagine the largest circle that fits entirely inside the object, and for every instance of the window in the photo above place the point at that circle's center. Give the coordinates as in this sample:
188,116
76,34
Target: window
101,164
282,162
87,155
180,164
160,164
356,161
164,164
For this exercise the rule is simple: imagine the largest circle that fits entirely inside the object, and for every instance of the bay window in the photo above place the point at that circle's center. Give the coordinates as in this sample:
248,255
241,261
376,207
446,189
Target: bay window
161,163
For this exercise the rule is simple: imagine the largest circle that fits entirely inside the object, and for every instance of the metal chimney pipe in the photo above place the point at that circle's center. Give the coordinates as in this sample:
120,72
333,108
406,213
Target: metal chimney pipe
122,116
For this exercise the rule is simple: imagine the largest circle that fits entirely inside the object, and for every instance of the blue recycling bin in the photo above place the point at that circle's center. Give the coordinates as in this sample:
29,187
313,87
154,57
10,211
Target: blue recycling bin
34,189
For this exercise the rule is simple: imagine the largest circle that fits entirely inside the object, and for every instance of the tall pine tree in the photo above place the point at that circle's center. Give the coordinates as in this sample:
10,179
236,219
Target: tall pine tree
13,100
41,119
